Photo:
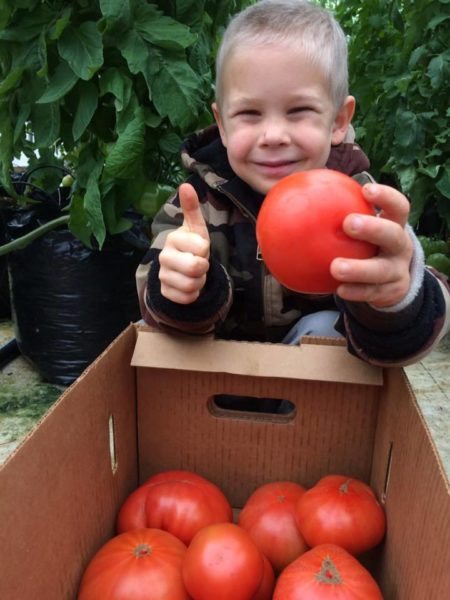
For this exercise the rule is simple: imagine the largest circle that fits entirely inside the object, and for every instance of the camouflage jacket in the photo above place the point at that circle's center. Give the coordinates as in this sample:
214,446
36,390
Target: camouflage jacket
241,300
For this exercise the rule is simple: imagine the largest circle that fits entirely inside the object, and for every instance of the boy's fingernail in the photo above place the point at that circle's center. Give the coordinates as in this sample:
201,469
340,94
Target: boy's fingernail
343,268
371,189
356,223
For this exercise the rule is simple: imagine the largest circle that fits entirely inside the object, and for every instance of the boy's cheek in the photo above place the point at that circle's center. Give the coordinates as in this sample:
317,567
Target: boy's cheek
239,143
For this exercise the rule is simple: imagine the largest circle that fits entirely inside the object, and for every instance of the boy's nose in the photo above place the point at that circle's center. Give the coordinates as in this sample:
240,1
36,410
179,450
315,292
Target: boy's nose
274,132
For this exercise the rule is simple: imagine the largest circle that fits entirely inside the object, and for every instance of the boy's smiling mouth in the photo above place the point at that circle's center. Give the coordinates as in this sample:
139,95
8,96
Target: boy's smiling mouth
275,168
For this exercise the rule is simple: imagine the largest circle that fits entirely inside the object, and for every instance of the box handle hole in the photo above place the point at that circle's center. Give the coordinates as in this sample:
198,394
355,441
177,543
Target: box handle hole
112,443
251,407
387,474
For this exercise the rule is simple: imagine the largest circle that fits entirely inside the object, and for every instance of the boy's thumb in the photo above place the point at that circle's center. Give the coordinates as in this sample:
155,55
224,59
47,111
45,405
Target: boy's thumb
190,205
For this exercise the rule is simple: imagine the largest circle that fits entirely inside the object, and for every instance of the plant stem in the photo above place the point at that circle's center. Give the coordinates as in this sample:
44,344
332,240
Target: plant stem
26,239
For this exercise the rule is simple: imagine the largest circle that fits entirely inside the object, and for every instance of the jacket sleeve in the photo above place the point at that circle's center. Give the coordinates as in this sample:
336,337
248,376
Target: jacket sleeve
199,317
407,332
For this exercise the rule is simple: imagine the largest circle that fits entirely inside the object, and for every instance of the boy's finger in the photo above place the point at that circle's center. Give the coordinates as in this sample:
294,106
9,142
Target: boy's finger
387,235
193,217
392,203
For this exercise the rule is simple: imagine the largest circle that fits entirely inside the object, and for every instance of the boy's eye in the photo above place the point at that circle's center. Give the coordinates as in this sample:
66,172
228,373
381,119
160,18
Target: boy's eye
247,112
299,109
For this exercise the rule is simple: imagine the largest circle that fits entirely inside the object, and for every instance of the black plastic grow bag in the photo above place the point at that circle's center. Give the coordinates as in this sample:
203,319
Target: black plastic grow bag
68,302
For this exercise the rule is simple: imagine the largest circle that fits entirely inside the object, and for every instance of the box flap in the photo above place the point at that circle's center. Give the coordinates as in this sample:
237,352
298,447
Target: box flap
321,362
61,488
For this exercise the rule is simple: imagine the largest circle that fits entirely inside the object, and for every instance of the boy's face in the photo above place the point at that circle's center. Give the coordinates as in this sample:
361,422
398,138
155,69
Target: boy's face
276,115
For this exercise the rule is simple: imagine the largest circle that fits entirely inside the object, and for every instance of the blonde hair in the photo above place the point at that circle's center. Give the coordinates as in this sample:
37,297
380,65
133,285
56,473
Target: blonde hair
306,25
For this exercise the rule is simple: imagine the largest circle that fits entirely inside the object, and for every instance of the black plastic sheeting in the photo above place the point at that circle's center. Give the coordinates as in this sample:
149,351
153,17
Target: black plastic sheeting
5,305
69,302
8,352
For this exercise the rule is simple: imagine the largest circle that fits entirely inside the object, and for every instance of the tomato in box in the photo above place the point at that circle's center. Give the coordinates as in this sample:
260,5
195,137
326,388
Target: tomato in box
299,228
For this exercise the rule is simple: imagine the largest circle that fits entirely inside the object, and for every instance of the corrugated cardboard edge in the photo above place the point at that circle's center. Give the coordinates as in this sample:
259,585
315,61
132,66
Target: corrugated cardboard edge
60,489
410,478
321,361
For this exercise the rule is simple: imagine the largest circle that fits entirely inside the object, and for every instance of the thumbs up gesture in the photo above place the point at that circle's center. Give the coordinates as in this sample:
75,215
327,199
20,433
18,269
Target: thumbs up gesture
184,260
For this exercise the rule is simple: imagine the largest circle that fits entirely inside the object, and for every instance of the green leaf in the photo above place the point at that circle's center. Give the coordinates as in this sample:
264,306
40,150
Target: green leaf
114,9
115,202
176,93
437,20
10,81
151,118
170,142
115,81
93,208
6,149
407,176
443,184
161,30
87,105
46,123
89,161
59,85
127,114
116,17
78,223
82,48
430,170
21,119
439,261
60,24
128,151
30,25
134,50
408,135
416,55
437,69
191,12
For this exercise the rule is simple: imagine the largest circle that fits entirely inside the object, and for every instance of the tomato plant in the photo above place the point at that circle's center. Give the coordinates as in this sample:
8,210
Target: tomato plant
343,511
137,565
326,572
269,517
180,502
223,562
299,228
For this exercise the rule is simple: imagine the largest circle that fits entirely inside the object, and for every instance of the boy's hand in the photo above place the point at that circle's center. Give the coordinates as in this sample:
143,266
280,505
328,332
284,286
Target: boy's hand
184,260
383,280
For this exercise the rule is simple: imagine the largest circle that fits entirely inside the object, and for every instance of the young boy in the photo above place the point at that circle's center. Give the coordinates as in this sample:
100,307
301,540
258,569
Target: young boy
282,106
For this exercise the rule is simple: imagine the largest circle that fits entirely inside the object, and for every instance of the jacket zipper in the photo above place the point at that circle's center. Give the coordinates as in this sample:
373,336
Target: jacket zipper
259,257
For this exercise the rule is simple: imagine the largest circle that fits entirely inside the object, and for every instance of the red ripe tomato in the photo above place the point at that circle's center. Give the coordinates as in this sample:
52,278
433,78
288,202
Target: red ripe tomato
343,511
223,563
269,517
137,565
267,584
326,572
299,228
180,502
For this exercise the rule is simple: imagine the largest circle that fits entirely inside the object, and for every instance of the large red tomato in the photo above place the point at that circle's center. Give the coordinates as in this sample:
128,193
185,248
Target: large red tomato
223,563
267,584
269,517
343,511
299,228
137,565
180,502
326,572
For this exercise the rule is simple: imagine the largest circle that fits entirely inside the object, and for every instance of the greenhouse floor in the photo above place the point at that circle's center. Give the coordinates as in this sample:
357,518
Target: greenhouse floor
24,397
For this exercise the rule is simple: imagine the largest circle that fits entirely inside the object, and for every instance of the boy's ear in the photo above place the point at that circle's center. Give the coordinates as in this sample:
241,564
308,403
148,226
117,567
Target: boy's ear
219,122
343,120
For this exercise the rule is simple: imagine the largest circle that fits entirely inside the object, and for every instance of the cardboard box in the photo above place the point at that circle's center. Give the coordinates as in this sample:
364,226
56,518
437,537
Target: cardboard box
121,422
